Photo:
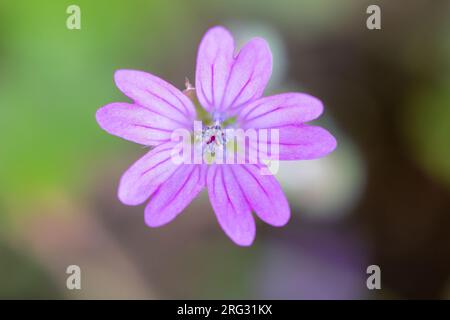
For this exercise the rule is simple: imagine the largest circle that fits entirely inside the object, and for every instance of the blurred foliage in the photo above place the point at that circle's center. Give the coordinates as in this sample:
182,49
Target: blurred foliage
23,278
427,121
429,130
52,81
234,265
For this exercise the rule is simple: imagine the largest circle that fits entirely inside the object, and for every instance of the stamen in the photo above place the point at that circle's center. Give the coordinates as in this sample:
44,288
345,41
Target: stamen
213,138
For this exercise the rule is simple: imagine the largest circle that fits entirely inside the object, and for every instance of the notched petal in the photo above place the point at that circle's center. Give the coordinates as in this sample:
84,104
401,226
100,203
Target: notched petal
135,123
174,195
157,95
144,177
225,82
280,110
230,206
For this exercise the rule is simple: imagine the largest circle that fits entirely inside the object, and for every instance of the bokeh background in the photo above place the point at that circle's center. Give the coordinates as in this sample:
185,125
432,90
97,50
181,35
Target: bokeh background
383,197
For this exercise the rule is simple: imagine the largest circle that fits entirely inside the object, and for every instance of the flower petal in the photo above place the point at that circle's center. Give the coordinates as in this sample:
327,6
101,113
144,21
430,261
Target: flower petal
280,110
249,75
175,194
263,193
226,82
135,123
144,177
228,201
294,143
214,60
156,95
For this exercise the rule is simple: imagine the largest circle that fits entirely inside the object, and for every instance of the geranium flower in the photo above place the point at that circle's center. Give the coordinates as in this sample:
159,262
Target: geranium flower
229,89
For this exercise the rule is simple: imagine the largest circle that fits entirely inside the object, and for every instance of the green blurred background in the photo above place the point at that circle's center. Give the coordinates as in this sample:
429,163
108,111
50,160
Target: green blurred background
383,197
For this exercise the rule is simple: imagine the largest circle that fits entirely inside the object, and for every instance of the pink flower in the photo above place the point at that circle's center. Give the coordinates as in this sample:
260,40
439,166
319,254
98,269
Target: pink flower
228,86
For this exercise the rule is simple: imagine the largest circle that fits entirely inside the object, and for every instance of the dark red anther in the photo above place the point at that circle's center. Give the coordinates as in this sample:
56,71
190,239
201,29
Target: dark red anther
212,139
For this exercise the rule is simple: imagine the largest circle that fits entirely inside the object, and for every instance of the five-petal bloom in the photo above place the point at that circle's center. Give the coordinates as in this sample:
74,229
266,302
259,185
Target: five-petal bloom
227,85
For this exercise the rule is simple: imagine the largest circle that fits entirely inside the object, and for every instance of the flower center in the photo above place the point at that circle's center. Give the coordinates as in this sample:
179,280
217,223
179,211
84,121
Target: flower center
213,138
